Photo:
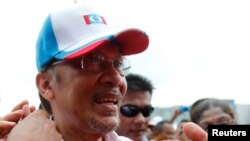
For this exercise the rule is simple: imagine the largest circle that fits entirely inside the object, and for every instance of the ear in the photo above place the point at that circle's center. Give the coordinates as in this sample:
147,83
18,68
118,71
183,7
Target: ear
43,83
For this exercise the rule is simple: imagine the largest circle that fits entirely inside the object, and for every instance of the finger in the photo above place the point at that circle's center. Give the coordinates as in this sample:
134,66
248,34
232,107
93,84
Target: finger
6,127
14,116
20,105
32,108
26,110
3,133
194,132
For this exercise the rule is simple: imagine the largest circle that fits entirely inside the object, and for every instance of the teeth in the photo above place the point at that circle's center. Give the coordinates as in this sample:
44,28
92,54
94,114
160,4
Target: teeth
107,100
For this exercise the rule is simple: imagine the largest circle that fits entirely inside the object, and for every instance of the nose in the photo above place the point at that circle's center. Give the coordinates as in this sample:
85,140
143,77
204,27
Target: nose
140,118
112,77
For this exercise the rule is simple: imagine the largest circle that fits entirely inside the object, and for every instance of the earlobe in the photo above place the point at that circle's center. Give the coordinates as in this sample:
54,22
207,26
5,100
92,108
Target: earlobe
43,83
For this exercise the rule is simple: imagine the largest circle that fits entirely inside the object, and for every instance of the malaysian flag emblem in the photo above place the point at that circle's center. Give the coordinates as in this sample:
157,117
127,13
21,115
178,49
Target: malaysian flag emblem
94,19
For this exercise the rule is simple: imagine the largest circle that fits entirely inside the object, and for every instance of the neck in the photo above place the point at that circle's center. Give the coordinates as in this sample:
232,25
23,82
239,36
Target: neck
76,133
82,137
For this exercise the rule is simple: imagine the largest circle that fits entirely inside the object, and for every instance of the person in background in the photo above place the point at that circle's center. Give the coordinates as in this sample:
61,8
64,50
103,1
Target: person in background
178,110
180,135
82,66
163,130
151,124
211,111
136,108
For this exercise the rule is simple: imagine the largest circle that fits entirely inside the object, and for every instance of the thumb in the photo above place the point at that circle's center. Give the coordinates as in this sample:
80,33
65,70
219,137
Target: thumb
194,132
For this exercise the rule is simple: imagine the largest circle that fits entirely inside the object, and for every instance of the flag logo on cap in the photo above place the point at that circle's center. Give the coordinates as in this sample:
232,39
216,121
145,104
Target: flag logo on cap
94,19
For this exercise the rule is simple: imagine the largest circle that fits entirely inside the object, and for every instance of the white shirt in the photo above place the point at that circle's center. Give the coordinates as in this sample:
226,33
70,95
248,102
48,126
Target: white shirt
112,136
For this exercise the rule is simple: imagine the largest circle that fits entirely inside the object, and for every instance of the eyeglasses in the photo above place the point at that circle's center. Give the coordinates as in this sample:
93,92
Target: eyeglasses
129,110
97,63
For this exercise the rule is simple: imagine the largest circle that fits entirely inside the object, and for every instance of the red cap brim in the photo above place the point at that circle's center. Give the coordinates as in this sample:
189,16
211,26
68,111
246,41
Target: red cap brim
132,41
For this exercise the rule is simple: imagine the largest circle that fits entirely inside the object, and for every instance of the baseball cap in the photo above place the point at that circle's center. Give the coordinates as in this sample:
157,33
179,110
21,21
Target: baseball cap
77,30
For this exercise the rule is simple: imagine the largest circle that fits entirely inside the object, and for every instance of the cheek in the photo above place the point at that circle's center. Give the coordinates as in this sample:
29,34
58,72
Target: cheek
76,89
123,88
83,83
124,122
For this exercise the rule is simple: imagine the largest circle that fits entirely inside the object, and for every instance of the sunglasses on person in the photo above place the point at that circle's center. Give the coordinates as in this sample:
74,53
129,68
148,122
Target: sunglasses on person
129,110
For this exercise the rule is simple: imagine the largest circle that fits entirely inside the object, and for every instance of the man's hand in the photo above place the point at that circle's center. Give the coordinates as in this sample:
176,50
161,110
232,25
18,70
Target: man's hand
194,132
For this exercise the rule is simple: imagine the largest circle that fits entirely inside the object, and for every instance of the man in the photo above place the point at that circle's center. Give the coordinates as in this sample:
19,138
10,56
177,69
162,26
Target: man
136,108
82,68
81,78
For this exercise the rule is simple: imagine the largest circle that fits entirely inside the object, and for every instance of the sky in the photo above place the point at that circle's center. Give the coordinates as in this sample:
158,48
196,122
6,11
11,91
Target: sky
197,48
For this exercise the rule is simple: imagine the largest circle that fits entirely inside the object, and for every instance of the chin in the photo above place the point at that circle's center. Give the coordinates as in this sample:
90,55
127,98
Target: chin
112,122
104,125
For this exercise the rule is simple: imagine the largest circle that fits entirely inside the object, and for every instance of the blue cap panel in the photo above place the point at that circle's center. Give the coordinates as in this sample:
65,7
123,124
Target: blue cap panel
46,46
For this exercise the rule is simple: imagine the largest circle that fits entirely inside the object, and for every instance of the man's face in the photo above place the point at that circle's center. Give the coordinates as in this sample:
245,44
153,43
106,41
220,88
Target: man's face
86,100
134,127
168,132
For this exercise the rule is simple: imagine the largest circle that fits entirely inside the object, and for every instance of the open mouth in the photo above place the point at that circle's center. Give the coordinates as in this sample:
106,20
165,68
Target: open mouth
107,100
107,104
